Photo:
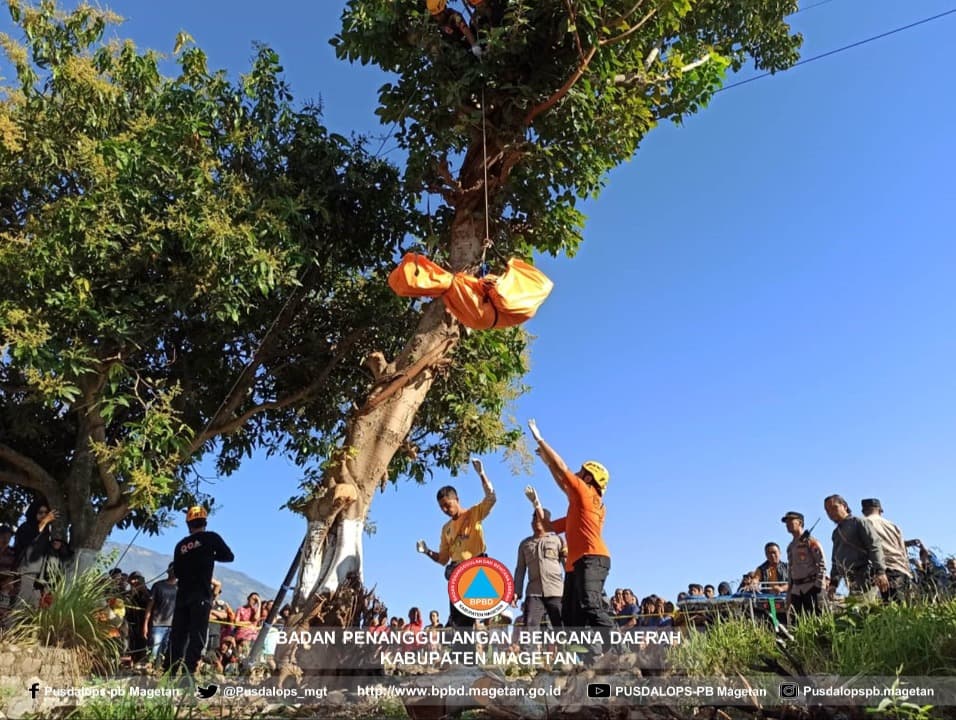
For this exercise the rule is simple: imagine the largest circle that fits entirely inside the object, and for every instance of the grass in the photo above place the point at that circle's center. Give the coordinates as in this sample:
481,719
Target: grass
74,620
918,638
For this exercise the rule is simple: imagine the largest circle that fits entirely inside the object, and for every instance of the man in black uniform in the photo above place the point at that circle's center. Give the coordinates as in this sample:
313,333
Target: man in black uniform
193,561
453,26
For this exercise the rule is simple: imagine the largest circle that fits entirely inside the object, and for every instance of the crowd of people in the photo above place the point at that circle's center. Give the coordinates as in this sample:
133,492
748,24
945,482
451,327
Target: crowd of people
562,580
167,624
182,621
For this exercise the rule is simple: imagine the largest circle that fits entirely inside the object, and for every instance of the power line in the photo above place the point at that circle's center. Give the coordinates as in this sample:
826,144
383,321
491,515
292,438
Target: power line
810,7
894,31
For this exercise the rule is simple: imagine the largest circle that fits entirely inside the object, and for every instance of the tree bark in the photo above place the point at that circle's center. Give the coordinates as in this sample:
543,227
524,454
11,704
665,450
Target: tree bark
333,543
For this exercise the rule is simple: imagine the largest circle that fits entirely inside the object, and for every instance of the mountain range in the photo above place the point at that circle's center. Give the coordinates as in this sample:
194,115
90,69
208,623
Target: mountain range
236,586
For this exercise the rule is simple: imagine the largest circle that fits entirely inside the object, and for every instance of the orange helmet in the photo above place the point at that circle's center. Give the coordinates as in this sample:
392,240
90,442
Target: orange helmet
598,472
435,6
196,512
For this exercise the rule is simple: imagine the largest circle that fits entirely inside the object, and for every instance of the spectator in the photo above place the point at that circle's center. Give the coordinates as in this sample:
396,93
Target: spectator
247,619
695,591
774,573
32,546
709,592
220,615
724,588
285,612
627,617
649,616
159,614
8,556
857,553
138,599
897,559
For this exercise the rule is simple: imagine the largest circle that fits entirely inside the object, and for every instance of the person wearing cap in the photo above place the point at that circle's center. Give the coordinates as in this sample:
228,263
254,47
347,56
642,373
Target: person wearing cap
589,560
452,26
898,570
158,618
808,568
194,559
857,552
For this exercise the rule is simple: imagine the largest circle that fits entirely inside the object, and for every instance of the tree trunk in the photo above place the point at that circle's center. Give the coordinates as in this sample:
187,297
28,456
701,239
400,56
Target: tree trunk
336,516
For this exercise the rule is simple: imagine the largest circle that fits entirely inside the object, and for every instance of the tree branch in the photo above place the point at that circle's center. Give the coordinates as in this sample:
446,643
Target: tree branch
562,91
230,426
630,31
405,377
34,476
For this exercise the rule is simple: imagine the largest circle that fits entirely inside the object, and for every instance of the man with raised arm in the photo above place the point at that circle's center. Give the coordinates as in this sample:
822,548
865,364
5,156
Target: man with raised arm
462,537
589,561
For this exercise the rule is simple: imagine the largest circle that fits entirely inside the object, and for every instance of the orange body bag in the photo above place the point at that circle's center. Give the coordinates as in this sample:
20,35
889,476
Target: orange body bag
480,303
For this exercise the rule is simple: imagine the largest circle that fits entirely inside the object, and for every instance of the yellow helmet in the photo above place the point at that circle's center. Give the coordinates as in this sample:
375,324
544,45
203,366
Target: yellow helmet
436,6
598,472
196,512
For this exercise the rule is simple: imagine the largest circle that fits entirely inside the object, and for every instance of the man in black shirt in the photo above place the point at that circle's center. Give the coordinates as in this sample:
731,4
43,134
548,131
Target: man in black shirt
193,561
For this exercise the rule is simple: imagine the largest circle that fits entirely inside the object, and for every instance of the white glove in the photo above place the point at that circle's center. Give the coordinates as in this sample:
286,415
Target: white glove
532,495
476,464
421,546
535,433
476,51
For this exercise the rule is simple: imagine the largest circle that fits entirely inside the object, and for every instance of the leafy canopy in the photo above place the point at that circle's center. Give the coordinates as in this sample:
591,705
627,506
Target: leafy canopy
569,87
194,265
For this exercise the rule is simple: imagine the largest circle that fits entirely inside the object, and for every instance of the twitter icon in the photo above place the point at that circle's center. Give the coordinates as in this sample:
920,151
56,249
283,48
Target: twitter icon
206,692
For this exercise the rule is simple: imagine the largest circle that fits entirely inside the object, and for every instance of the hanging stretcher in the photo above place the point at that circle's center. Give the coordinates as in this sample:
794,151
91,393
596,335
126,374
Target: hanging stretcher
492,301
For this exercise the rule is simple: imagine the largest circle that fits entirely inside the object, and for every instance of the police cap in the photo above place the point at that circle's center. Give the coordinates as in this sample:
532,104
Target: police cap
792,515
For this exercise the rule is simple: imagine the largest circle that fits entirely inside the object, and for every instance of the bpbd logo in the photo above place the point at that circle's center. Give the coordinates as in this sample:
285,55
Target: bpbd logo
481,587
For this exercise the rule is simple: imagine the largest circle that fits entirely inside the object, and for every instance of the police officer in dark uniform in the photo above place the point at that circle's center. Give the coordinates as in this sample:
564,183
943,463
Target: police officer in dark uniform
193,561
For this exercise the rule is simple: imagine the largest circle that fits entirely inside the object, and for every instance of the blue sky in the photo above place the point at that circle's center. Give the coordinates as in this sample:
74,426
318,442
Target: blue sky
761,315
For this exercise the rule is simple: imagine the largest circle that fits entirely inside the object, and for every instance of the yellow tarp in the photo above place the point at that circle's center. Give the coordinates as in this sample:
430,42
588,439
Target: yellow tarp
480,303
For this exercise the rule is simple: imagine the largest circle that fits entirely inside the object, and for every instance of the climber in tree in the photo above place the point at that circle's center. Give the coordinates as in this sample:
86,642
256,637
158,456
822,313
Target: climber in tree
486,14
452,25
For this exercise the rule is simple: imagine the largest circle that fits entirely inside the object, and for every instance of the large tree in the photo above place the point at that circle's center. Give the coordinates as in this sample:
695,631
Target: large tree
191,267
565,91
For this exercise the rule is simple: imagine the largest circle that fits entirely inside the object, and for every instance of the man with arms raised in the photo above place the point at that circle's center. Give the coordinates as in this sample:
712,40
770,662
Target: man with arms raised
589,561
462,537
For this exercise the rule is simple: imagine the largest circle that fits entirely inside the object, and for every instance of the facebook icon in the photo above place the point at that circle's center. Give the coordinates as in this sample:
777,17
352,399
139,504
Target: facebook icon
34,690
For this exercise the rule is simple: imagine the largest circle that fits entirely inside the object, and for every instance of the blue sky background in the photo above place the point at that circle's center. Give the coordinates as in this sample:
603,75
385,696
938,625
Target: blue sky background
762,313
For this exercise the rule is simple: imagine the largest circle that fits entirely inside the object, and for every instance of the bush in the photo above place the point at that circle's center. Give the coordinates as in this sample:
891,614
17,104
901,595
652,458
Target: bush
917,638
910,639
76,619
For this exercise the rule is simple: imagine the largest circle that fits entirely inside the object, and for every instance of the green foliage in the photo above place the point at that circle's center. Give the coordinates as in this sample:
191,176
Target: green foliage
911,639
193,265
726,647
569,89
74,620
881,640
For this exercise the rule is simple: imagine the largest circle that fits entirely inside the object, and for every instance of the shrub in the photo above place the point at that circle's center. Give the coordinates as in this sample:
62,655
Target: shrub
74,619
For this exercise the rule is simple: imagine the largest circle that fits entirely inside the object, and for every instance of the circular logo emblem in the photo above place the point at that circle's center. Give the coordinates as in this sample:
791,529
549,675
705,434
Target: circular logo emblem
481,587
